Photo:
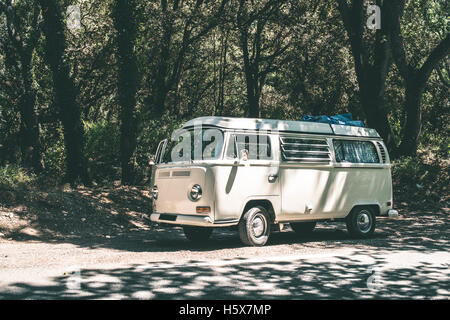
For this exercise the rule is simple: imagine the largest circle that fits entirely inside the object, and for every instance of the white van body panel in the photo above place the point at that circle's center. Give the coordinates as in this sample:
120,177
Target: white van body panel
174,183
299,191
262,124
233,184
342,130
331,192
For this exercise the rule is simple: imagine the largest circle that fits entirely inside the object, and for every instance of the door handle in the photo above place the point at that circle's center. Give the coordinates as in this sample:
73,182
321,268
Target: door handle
272,177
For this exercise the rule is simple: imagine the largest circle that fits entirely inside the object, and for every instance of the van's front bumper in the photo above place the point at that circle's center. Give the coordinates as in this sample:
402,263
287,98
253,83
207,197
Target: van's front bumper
190,220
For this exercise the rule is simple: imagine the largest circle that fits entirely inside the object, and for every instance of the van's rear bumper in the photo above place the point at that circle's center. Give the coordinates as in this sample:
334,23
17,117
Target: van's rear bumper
391,213
190,220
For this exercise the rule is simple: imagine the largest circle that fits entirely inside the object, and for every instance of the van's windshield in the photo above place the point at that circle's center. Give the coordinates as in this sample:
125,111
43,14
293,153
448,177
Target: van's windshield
191,145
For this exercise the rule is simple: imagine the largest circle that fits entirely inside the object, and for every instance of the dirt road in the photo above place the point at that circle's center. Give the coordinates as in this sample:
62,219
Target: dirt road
406,258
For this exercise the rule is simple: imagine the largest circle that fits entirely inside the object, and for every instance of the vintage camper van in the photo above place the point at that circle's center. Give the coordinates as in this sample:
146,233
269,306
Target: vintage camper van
258,174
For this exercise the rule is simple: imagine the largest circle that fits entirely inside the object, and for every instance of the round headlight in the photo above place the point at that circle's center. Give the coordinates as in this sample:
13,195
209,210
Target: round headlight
155,192
196,192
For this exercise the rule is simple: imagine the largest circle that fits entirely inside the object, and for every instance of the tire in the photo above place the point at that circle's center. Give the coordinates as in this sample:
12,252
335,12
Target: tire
197,234
361,222
303,228
255,226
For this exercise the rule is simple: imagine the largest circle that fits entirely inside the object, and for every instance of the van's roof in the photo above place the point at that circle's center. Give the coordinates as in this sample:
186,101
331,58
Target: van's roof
283,125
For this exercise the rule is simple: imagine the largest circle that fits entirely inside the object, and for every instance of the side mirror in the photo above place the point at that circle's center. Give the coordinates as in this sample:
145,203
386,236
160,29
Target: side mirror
151,162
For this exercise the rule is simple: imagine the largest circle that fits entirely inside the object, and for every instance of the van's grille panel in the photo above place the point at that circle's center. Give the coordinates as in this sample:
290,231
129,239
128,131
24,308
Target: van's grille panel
383,151
181,173
305,150
164,174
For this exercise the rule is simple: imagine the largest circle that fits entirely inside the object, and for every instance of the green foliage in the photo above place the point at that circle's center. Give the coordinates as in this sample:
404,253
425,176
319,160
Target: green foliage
407,169
421,181
424,169
191,64
15,177
435,144
54,154
424,24
102,149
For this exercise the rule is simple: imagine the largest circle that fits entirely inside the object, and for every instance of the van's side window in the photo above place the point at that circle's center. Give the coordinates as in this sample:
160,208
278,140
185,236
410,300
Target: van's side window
257,146
355,151
304,150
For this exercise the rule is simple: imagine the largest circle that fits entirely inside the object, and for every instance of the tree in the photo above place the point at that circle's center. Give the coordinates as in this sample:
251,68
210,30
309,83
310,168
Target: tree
415,75
181,25
372,63
443,71
97,98
64,91
261,40
125,24
19,50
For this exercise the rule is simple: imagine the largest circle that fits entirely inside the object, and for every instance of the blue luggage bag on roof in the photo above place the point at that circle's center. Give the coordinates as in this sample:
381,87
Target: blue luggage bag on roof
343,119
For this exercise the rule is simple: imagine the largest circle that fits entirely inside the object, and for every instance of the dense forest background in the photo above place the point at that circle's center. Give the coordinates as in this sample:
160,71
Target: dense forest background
86,101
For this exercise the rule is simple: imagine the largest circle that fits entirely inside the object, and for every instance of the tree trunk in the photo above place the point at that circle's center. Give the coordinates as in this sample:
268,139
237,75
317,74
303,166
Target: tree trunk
371,76
65,92
413,126
372,102
124,22
19,59
29,129
222,73
251,77
252,96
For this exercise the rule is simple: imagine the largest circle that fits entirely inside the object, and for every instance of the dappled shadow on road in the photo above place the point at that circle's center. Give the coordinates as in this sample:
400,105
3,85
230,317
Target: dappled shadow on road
423,233
340,277
337,277
116,218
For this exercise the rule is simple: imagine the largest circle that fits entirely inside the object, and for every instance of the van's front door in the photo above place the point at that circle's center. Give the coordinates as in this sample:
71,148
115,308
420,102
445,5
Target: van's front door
251,172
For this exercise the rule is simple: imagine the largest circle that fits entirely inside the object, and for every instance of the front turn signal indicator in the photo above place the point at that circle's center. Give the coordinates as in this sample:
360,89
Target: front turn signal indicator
203,209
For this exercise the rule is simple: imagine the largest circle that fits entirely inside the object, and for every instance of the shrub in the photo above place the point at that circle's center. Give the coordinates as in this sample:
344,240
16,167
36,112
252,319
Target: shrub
54,156
15,177
102,149
406,169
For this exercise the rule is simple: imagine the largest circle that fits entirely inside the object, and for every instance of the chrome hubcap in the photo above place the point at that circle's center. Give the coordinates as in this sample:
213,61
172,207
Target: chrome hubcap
258,226
363,221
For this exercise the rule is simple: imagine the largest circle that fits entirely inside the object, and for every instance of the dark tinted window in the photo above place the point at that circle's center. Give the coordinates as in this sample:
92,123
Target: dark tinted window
355,151
257,146
208,145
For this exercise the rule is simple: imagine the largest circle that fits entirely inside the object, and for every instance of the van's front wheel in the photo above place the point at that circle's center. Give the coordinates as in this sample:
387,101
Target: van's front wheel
197,234
361,222
254,227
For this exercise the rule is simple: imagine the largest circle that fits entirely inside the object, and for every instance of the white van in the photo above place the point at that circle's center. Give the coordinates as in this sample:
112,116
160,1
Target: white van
257,174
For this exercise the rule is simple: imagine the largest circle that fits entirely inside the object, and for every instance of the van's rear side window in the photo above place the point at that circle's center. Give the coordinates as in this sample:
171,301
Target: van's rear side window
355,151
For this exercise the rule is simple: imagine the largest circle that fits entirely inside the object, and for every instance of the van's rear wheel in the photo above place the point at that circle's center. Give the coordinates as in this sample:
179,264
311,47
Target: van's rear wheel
303,228
197,234
254,227
361,222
